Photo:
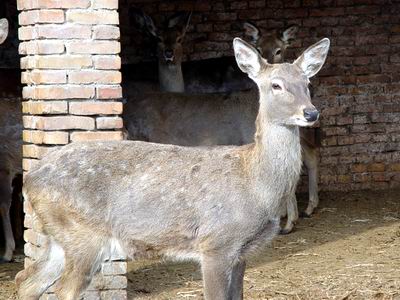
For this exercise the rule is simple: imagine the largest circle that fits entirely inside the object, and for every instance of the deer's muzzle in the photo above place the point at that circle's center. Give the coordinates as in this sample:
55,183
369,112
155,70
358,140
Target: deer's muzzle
311,115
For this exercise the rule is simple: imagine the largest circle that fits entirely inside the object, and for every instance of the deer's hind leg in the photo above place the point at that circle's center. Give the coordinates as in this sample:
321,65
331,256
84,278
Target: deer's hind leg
5,204
85,250
42,273
311,162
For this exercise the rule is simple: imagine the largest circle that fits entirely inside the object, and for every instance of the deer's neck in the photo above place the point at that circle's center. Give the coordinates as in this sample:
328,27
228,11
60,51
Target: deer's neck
171,78
274,162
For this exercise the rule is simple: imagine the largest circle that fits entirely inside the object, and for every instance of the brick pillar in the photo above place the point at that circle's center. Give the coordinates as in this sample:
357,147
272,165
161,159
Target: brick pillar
71,60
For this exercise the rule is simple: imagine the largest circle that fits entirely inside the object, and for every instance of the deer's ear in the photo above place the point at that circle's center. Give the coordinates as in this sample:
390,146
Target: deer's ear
181,19
247,58
3,30
289,34
252,31
312,60
142,21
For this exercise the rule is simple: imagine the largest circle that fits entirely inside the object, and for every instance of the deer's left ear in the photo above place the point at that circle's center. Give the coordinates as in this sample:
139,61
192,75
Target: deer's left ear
3,30
312,60
248,58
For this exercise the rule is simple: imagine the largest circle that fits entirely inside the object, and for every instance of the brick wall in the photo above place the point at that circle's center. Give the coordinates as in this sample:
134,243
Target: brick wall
358,90
71,71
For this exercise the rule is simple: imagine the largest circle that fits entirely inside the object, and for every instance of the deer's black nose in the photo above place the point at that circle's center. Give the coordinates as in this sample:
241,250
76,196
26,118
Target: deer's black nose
311,115
169,54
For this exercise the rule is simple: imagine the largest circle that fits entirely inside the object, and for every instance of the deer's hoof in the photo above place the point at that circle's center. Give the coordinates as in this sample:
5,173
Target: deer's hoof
305,215
285,231
5,261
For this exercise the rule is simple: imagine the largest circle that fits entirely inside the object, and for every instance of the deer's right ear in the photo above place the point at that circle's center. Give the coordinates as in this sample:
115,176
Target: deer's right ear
251,31
3,30
247,58
142,21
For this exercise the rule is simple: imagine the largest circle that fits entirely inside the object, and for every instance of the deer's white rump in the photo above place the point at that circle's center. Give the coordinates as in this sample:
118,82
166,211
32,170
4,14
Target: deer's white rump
211,204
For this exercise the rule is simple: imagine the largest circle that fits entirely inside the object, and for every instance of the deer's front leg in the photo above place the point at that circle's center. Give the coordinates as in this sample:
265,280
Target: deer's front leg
236,283
217,274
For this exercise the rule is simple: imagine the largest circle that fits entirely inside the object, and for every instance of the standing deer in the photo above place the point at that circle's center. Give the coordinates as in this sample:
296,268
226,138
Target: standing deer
211,204
10,158
212,119
169,39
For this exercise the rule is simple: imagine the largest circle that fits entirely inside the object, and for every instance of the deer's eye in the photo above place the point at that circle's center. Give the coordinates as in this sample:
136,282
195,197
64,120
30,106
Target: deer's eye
179,40
278,52
276,87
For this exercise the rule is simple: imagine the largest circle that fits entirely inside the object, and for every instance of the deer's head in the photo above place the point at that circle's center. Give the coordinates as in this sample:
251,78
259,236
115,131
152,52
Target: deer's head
284,94
169,36
271,44
3,30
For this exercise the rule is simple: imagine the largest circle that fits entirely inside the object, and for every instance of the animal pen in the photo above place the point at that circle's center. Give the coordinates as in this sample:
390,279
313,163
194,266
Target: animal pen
89,70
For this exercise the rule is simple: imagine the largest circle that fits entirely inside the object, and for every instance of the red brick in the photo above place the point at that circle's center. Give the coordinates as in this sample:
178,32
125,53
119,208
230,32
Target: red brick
56,62
34,151
376,167
108,92
28,164
58,92
93,47
109,4
33,4
82,16
94,76
59,123
358,168
45,137
109,123
106,32
41,47
39,77
96,136
107,62
64,31
41,16
95,108
45,107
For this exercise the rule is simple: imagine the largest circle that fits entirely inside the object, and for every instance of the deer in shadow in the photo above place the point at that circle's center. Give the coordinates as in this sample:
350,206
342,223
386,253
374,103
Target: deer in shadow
10,158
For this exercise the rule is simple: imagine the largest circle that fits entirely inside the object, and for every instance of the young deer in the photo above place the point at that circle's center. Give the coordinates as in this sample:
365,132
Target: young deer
10,158
211,204
169,47
210,119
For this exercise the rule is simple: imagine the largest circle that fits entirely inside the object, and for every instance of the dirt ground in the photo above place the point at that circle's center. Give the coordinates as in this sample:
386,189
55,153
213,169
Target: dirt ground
350,249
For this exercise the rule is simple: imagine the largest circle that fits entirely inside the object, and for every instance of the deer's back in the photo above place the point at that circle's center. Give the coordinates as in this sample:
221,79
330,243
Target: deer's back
192,120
